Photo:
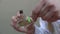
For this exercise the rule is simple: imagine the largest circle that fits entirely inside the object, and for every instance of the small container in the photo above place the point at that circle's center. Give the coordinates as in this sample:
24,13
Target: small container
24,20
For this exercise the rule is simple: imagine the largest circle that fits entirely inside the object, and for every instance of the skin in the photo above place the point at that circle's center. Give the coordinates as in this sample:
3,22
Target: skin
45,9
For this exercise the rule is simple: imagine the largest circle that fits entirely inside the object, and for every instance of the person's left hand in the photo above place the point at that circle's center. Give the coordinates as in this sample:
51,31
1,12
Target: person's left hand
27,29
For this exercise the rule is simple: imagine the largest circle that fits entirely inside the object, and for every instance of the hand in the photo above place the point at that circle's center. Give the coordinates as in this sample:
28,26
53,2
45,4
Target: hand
49,12
46,10
27,29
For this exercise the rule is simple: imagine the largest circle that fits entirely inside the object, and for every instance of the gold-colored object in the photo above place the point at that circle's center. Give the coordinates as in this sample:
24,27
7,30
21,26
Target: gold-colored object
24,20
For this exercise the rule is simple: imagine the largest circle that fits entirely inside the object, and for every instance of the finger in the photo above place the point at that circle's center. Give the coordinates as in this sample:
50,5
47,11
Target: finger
18,14
16,28
49,12
15,25
39,6
54,17
48,15
22,29
43,10
42,5
47,9
14,19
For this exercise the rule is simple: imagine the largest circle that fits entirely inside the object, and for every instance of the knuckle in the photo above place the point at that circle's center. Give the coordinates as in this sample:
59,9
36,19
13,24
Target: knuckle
51,4
14,19
18,14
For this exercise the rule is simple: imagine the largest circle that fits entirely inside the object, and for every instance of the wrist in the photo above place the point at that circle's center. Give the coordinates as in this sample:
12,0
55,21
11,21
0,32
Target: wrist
31,30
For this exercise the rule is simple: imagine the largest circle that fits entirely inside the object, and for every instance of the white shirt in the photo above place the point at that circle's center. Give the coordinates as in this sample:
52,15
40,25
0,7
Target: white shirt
43,27
56,25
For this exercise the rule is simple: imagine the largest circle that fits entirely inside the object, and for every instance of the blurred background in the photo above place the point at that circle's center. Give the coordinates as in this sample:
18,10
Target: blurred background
8,8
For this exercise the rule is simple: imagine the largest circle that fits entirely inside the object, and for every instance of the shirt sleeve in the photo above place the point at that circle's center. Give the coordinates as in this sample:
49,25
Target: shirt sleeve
56,25
41,30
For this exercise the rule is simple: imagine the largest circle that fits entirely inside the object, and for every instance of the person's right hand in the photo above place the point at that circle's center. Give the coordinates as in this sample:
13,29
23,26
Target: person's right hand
48,11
